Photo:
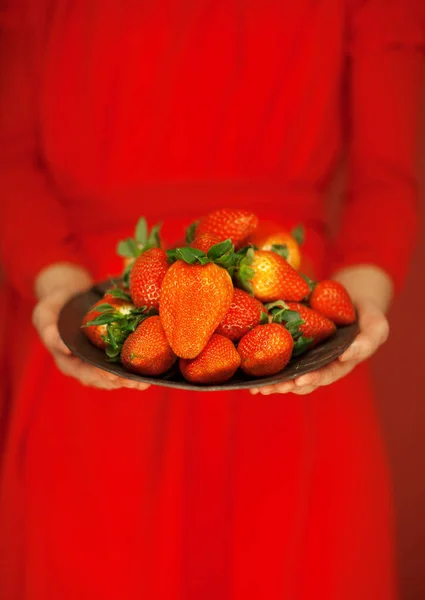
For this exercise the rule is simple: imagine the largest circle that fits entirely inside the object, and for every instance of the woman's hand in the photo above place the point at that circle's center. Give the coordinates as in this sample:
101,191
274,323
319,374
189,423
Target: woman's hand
371,291
54,287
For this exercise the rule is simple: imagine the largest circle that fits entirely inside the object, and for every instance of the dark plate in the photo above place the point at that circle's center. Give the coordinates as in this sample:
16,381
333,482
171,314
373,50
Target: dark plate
70,330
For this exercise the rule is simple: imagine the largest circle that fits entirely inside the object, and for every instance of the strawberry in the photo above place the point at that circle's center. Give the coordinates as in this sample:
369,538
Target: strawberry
244,314
194,300
146,351
270,236
146,277
265,350
269,277
116,308
229,223
217,362
332,300
205,242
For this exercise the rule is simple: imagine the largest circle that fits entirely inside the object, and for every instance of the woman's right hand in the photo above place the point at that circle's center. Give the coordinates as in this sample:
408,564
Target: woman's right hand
55,285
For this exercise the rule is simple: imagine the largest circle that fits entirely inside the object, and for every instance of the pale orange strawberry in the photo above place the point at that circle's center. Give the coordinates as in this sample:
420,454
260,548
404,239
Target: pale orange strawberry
245,313
270,277
269,234
333,301
229,223
147,351
266,350
194,300
216,364
146,277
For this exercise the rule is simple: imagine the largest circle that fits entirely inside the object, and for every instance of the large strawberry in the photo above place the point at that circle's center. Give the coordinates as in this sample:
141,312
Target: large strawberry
146,351
265,350
217,362
194,300
245,313
332,300
269,277
109,309
229,223
307,326
271,236
146,277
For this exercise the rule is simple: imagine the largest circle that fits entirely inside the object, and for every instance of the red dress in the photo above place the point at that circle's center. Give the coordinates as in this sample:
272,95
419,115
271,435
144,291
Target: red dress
117,109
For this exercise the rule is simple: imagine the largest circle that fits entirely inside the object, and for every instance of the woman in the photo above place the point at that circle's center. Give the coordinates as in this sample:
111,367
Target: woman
170,110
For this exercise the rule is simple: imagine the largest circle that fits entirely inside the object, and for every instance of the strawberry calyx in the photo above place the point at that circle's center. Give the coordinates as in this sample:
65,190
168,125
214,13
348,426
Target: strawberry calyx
191,232
281,249
119,325
244,272
222,254
311,284
143,240
298,233
292,320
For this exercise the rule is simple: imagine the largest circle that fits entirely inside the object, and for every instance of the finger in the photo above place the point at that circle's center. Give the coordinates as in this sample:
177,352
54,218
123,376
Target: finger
327,375
304,390
45,316
92,376
374,331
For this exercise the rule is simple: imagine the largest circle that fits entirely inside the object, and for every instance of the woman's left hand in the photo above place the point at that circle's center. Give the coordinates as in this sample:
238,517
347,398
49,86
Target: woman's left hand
374,331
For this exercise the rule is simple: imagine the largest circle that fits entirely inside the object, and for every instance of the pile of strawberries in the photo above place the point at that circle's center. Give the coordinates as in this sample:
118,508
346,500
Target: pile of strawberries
231,297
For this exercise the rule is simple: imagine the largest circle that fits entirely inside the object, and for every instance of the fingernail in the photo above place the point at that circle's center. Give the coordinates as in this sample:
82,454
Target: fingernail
254,391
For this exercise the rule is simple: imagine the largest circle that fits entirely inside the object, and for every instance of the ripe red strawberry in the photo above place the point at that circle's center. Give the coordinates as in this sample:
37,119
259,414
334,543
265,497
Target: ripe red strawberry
194,300
95,333
217,362
147,351
205,242
332,300
146,277
315,327
270,277
266,350
227,223
245,313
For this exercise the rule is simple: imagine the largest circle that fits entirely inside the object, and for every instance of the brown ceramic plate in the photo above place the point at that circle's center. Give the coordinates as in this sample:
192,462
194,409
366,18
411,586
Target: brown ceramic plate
70,330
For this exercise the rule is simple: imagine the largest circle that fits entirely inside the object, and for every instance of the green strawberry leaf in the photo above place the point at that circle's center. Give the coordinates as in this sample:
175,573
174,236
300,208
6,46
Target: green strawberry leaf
119,293
245,273
128,248
154,240
191,232
104,319
301,345
172,255
220,249
276,304
264,318
192,256
312,284
103,308
112,352
141,232
298,233
281,249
